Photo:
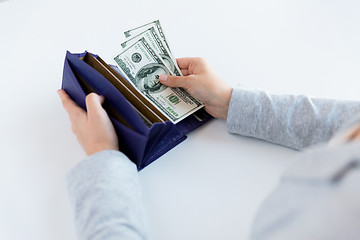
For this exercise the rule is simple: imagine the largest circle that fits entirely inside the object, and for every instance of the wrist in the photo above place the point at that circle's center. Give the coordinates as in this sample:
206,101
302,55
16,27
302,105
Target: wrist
100,147
218,106
225,101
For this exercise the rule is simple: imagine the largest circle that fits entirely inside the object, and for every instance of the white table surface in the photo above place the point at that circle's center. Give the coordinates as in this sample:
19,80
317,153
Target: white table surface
211,185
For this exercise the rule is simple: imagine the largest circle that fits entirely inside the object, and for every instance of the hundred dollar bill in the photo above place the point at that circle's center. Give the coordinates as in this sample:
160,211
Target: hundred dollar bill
142,67
152,36
140,29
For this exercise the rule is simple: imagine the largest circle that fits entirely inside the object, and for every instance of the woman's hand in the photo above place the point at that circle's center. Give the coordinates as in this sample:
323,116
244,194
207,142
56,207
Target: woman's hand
93,128
201,82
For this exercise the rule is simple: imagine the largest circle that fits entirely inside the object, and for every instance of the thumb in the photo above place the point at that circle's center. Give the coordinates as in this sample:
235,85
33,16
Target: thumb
176,81
93,105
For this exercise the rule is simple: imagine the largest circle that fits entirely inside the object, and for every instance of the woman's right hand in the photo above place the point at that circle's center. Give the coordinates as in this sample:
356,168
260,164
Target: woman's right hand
201,82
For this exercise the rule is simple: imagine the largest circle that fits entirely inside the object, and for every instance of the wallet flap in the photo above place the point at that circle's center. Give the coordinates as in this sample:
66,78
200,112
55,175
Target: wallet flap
71,85
117,101
172,135
131,143
168,142
157,132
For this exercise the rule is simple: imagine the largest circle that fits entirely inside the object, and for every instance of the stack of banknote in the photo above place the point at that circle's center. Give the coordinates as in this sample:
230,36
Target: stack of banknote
146,55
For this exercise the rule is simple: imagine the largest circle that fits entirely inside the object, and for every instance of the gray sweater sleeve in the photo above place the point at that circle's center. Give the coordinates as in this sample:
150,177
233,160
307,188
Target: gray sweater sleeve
292,121
105,194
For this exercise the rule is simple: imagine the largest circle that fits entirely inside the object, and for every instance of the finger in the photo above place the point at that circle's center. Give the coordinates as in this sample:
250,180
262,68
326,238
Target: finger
183,63
176,81
70,106
94,106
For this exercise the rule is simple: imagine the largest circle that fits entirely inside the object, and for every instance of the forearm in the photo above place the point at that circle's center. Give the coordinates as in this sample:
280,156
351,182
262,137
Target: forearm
105,193
293,121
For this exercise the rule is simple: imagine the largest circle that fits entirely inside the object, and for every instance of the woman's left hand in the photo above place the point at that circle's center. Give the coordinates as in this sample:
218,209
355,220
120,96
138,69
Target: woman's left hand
93,128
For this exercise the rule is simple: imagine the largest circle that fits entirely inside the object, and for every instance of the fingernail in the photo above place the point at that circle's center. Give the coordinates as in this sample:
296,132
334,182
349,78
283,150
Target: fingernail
163,78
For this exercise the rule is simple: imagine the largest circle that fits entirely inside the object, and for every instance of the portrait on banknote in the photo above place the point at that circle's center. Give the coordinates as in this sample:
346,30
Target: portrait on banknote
147,78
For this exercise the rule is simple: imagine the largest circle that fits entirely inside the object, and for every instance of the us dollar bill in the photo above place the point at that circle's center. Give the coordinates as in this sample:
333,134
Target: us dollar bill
152,36
142,66
156,24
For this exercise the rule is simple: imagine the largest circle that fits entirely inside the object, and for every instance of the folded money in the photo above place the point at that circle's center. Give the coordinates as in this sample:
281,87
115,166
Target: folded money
146,55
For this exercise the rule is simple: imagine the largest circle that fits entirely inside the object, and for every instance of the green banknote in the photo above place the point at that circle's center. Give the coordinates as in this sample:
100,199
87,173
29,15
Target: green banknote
142,67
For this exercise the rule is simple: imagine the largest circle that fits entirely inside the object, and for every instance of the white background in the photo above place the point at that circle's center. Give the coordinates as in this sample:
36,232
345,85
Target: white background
211,185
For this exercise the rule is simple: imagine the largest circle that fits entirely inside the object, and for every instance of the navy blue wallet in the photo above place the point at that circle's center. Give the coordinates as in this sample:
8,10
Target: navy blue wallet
143,142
